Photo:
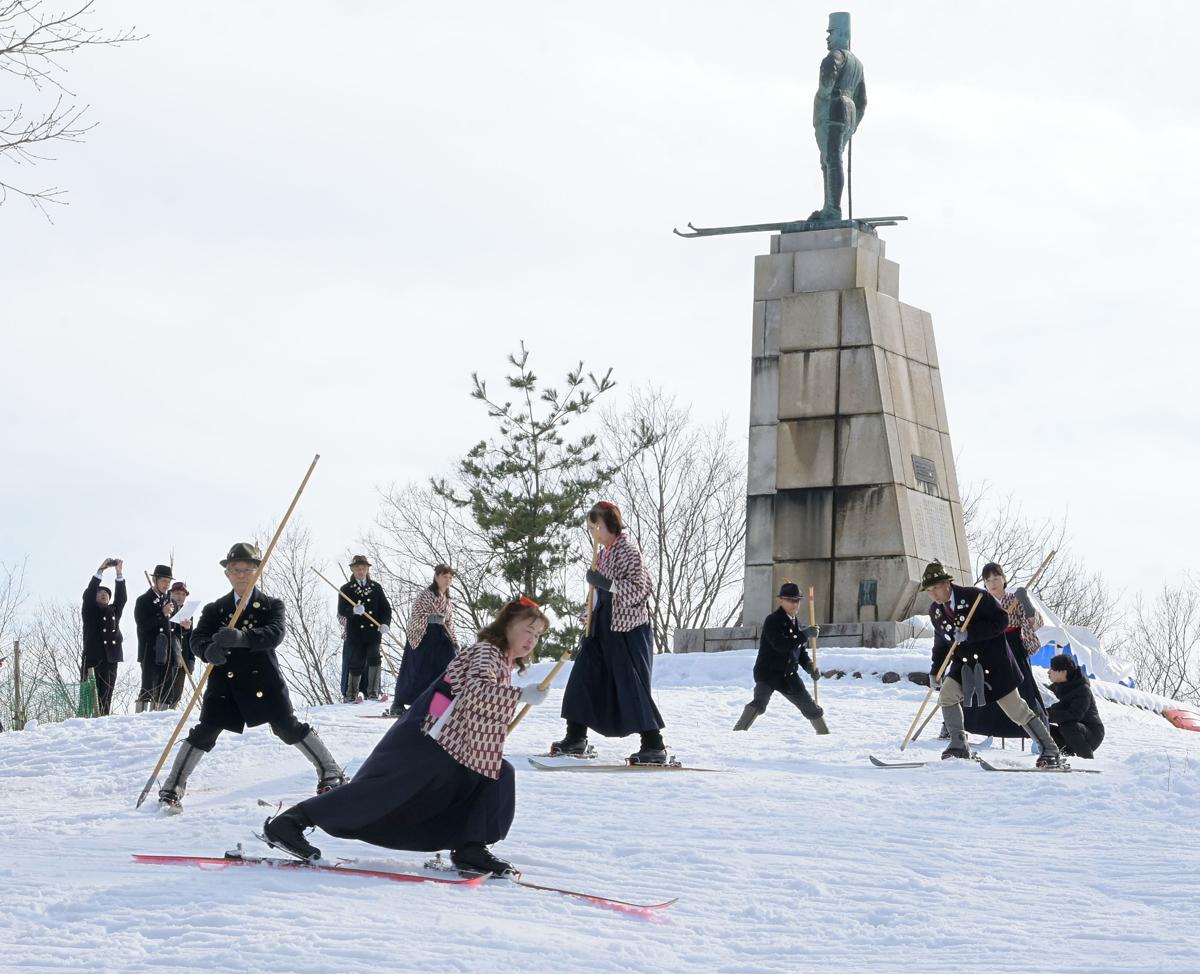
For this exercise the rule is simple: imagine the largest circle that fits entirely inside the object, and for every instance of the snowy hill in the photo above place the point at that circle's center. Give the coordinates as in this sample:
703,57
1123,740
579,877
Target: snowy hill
804,858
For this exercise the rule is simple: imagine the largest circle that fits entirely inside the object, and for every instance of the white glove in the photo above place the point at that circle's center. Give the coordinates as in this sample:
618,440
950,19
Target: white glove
359,610
533,694
384,630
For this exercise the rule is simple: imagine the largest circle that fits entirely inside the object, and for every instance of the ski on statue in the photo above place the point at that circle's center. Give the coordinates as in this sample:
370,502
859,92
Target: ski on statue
621,906
1067,770
239,858
594,764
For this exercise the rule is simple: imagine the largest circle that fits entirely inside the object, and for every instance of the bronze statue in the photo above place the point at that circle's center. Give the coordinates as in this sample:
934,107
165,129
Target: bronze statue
840,103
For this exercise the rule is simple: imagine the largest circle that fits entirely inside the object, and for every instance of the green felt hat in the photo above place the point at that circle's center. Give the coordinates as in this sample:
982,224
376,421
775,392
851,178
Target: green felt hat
243,551
934,575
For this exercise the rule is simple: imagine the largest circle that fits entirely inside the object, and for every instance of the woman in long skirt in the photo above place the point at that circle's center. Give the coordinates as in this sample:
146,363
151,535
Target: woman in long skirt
432,641
1024,621
608,690
437,779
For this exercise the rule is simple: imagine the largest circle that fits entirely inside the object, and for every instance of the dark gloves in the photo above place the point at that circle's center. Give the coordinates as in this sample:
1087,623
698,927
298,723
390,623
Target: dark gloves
1026,601
231,638
810,632
596,580
815,673
215,655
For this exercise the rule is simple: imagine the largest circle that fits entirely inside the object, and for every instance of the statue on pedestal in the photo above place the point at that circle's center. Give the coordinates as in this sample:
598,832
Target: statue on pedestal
838,107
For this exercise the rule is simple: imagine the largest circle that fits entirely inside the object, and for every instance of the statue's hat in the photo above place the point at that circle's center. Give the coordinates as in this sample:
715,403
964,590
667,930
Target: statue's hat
840,21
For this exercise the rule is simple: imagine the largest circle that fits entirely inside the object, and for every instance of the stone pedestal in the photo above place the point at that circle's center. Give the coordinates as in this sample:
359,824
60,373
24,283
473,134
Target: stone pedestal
851,486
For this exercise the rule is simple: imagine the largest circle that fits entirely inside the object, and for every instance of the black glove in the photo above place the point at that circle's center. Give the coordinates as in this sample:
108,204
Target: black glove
231,638
596,580
815,673
1026,601
810,632
215,655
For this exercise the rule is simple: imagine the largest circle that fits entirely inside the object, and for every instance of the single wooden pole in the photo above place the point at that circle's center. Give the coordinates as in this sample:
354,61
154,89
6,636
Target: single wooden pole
370,618
237,614
812,621
587,631
18,706
938,679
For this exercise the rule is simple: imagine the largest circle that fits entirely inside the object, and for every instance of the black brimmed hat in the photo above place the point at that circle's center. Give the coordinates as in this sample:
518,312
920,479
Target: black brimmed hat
162,571
243,551
935,574
359,560
789,590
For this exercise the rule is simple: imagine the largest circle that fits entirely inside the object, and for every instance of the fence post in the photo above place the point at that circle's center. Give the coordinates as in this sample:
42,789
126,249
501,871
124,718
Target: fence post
18,706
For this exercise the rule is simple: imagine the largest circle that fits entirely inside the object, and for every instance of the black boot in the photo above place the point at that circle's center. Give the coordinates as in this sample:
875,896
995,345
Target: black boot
652,751
750,714
475,857
286,831
958,736
574,743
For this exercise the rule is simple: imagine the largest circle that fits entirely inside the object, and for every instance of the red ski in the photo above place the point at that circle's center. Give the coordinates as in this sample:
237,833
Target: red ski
1183,719
214,863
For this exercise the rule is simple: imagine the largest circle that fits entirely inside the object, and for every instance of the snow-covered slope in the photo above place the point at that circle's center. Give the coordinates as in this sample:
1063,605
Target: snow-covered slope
803,859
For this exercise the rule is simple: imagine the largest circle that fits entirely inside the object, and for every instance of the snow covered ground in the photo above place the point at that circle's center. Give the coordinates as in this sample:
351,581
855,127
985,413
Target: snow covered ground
804,859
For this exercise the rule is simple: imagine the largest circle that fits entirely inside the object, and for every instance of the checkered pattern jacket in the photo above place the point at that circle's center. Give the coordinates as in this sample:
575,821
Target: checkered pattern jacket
622,562
425,603
1028,626
484,702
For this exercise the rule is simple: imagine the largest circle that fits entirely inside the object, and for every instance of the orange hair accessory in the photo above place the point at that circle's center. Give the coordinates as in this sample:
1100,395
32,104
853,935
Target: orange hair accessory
526,600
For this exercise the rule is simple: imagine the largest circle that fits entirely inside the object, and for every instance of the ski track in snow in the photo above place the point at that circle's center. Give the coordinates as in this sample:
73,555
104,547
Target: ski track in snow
805,859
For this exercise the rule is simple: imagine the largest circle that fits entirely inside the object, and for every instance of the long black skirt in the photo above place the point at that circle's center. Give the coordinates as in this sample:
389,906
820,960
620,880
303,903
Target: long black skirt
990,720
609,687
410,794
421,666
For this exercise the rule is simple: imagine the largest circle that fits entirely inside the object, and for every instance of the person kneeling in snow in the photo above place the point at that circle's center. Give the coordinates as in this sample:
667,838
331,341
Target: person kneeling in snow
437,779
1074,721
781,656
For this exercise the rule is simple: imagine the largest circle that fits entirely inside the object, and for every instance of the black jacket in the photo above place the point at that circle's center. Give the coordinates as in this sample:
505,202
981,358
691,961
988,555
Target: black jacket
150,621
987,624
359,629
781,649
1075,705
248,688
102,626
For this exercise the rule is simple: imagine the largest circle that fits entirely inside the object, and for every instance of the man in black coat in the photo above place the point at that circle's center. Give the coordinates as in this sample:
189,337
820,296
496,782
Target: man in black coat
153,636
246,686
361,649
102,650
781,657
982,668
1074,720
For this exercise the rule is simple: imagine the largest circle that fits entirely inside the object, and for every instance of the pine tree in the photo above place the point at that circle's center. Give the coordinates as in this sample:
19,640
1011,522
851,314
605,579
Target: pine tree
530,487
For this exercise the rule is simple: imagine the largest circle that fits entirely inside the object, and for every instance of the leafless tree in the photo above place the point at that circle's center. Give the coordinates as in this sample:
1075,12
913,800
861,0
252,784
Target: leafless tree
311,652
1163,641
34,40
1000,531
417,528
684,498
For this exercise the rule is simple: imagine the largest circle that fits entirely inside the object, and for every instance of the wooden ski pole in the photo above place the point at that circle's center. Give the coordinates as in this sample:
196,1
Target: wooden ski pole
812,621
237,614
370,618
938,679
567,654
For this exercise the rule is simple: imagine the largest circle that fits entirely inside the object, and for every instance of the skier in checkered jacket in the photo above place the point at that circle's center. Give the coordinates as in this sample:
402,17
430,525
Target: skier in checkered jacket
609,690
438,778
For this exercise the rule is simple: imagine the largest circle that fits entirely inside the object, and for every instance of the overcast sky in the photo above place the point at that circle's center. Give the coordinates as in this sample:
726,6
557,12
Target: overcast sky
298,228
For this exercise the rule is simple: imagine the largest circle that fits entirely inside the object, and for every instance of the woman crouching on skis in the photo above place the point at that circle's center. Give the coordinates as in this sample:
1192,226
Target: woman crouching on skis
437,779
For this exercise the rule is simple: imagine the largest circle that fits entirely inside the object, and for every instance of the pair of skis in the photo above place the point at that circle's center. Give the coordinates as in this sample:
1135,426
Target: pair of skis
986,766
237,857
